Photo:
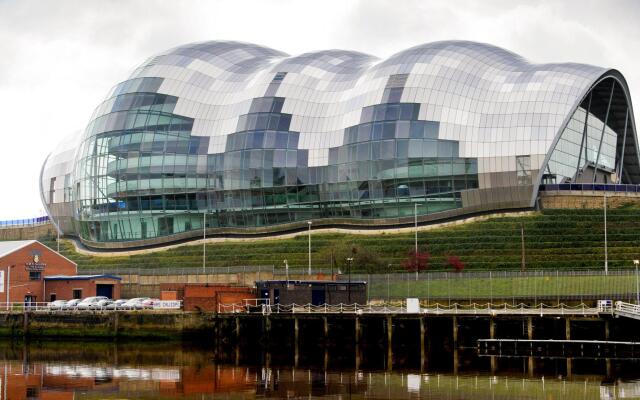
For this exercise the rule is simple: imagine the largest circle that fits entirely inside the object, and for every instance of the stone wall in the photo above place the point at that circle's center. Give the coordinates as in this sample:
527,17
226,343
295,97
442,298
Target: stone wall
577,200
174,324
27,232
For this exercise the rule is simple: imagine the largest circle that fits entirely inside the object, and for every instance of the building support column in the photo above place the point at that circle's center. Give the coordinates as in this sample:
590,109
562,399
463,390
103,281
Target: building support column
492,335
530,359
296,334
325,323
454,321
389,343
267,332
326,357
423,350
624,143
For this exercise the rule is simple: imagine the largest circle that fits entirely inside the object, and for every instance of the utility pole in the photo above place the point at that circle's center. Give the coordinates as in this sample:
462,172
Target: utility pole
524,265
286,268
58,235
349,261
309,223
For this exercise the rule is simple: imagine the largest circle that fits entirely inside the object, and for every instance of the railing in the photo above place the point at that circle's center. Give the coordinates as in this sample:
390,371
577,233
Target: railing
605,306
627,308
13,223
598,187
48,307
437,309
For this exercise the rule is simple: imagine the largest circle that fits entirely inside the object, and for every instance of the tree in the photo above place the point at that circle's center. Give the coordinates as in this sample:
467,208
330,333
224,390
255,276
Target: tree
455,263
364,259
417,262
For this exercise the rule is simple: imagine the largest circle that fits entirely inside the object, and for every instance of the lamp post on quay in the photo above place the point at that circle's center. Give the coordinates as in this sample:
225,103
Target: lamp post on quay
309,223
349,261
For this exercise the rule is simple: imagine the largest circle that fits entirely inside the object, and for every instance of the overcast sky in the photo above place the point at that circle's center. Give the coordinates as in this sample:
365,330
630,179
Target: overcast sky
58,59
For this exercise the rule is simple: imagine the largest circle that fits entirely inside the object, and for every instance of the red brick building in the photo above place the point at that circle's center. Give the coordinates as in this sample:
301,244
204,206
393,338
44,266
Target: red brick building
64,287
205,296
32,272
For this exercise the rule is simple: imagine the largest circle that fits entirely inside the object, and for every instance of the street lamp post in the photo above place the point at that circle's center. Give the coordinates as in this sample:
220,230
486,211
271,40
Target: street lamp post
204,242
309,223
349,261
388,290
286,269
636,262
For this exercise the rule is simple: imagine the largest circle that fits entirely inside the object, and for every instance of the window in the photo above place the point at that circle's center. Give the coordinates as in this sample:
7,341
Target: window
77,293
35,275
523,170
53,297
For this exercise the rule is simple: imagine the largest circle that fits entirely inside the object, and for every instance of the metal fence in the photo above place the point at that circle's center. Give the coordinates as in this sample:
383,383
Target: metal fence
13,223
552,286
233,269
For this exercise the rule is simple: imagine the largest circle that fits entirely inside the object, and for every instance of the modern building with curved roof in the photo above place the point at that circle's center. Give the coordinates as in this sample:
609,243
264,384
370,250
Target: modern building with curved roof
250,140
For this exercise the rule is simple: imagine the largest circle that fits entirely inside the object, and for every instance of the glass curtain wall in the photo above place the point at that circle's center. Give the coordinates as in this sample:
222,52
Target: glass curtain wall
143,175
590,147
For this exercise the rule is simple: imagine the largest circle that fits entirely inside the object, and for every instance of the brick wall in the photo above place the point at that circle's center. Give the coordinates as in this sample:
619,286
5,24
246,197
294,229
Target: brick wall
207,297
20,283
63,289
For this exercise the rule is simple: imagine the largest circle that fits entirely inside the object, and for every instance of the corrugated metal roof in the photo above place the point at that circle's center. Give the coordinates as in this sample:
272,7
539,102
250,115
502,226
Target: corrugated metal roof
79,277
9,247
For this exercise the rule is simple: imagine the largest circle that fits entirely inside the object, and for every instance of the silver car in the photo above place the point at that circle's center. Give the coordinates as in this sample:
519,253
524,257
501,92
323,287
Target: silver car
91,303
56,305
103,304
135,303
116,305
71,304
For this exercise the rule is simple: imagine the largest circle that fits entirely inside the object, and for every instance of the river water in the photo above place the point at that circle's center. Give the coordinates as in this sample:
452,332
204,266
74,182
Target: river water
60,370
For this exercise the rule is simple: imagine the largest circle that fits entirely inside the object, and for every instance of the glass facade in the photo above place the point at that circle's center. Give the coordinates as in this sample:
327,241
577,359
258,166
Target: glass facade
246,137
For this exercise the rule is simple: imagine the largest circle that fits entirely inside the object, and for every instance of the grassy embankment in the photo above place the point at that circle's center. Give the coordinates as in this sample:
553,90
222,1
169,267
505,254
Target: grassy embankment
554,240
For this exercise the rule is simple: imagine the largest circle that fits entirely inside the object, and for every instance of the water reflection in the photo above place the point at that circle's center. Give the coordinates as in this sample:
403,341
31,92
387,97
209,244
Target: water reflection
97,370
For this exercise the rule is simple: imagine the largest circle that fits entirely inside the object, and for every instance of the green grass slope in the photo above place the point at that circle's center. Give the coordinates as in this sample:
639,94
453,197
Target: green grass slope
554,239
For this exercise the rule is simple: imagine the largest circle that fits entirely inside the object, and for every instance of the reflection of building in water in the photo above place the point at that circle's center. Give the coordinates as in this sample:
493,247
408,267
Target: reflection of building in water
621,390
62,381
66,381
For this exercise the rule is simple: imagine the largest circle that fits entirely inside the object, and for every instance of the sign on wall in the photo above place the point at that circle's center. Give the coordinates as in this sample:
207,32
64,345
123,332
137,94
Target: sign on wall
36,265
1,281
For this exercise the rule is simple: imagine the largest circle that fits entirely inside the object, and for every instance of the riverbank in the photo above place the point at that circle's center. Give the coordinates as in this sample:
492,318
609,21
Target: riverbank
134,325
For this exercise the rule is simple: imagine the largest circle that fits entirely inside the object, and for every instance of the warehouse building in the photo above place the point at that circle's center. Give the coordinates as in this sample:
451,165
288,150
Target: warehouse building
31,272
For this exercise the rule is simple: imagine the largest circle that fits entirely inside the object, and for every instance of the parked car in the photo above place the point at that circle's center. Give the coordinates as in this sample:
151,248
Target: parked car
103,304
90,302
116,305
56,305
135,303
71,304
149,303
